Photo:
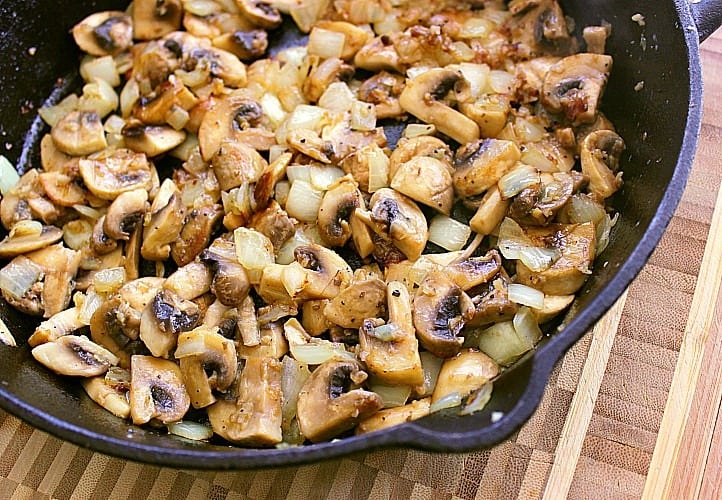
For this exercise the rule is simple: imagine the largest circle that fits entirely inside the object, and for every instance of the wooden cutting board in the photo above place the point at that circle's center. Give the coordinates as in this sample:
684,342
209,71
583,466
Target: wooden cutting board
632,410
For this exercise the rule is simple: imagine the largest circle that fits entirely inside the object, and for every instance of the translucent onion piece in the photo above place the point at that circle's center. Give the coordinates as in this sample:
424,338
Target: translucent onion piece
273,109
537,159
476,27
363,116
190,430
99,97
325,43
378,164
26,228
583,209
478,399
201,8
448,401
129,96
109,280
477,75
517,180
448,233
253,249
91,304
18,276
391,395
303,201
293,376
502,343
100,67
337,98
603,231
525,295
385,333
500,82
8,176
419,129
53,114
286,252
528,131
431,366
6,337
281,191
526,326
307,117
512,239
315,353
539,259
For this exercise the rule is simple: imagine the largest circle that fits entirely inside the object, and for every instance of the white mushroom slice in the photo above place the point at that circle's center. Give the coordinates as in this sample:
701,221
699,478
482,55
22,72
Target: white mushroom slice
425,180
379,55
230,279
126,211
58,325
13,246
156,391
262,14
273,344
152,140
208,362
552,306
109,175
318,273
337,206
62,189
464,373
361,300
235,163
170,95
60,265
163,229
389,417
481,164
155,18
408,149
490,213
104,33
107,395
393,358
79,133
333,390
254,418
74,356
600,155
163,319
226,120
423,97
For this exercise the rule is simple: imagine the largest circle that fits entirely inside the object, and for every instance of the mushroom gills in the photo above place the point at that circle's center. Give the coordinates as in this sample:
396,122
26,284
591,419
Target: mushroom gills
74,356
157,391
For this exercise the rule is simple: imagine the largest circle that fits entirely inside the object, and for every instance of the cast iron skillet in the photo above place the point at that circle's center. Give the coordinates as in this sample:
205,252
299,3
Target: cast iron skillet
660,124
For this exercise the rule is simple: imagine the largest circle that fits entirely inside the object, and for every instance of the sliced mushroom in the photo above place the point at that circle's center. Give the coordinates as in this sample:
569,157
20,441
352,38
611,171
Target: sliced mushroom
79,133
135,295
398,220
481,164
29,302
262,14
58,325
106,329
576,246
108,394
198,228
310,144
491,301
62,189
230,280
474,271
219,63
321,76
226,121
254,418
423,98
542,28
60,265
552,306
333,390
272,289
600,155
408,149
361,300
273,344
441,309
379,55
427,181
109,175
235,163
124,214
266,184
464,373
313,317
100,242
337,206
208,362
131,249
394,359
163,319
317,273
12,246
54,160
274,223
389,417
383,91
104,33
155,18
574,86
74,356
491,211
152,140
359,163
163,229
245,45
190,281
156,391
170,95
538,204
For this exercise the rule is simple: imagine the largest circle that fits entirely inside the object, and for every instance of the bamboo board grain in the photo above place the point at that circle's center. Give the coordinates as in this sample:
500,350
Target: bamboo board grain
603,449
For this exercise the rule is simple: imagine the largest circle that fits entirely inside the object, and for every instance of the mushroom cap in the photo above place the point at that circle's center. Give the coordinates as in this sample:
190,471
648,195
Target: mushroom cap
538,204
474,271
426,180
464,373
600,155
152,140
154,18
156,390
480,165
110,174
262,14
337,206
74,356
324,273
225,121
79,133
104,33
396,217
163,229
13,246
235,163
425,145
124,213
360,300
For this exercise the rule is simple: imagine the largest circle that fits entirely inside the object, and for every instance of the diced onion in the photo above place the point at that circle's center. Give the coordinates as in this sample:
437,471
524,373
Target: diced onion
77,233
89,212
53,114
177,117
603,230
378,164
273,109
91,304
6,337
100,67
431,366
201,8
528,131
500,82
325,43
8,176
293,376
496,416
538,259
517,180
391,395
514,244
280,192
419,129
363,116
306,13
307,117
448,401
502,343
315,353
526,326
477,75
337,98
129,96
533,156
26,228
583,209
322,178
303,201
478,399
525,295
190,430
254,252
18,276
385,333
476,27
415,71
448,233
275,151
185,149
99,97
109,280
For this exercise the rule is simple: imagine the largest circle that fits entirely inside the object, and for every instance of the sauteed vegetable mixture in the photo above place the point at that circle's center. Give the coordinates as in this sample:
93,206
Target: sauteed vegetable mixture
225,242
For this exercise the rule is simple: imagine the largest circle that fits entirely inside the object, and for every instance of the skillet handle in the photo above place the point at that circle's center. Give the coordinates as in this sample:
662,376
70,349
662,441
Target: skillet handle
707,15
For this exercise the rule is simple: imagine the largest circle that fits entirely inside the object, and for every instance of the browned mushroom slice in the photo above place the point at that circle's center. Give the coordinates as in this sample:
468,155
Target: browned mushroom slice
474,271
60,265
337,205
225,121
106,329
104,33
58,325
163,229
491,301
245,45
481,164
427,181
379,55
62,189
552,306
574,86
199,226
361,300
170,95
235,163
262,14
156,391
464,373
100,242
12,246
155,18
383,91
74,356
208,362
576,245
219,63
274,223
389,417
109,175
124,214
163,319
54,160
254,418
190,281
108,394
423,97
79,133
333,390
408,149
600,154
441,309
538,204
542,28
152,140
396,219
318,273
321,76
391,351
230,280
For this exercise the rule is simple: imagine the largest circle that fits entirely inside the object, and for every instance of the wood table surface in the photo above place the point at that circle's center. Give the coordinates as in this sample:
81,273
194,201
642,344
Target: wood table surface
632,410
